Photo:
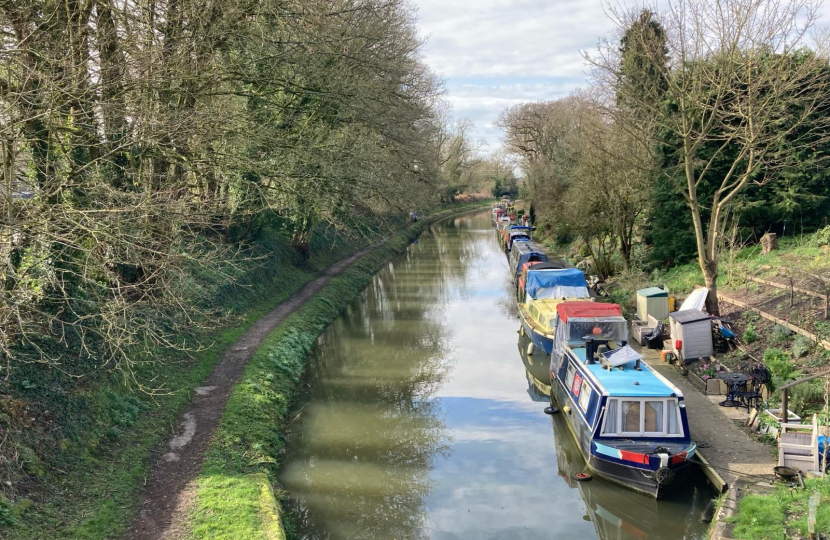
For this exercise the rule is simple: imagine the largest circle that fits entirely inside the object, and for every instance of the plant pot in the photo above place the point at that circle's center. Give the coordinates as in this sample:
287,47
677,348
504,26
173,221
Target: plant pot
776,415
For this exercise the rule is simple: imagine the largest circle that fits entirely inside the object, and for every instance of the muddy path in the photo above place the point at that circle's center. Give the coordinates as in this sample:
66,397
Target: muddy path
170,486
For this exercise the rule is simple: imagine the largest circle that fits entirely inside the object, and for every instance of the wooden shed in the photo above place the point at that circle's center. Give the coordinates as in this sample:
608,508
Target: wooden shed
691,334
652,301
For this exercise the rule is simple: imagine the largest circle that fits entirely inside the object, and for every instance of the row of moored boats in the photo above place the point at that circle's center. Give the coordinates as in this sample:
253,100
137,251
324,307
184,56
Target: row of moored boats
628,420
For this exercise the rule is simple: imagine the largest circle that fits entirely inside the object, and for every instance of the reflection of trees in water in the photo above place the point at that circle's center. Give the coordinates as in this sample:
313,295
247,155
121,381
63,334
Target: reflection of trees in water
369,433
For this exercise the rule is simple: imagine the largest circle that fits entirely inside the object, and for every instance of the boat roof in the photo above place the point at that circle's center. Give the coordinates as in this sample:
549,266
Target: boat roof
551,264
529,247
561,277
547,305
587,309
621,381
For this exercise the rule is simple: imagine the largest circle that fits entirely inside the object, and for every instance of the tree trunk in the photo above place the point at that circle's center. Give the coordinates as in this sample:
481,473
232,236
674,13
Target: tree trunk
710,276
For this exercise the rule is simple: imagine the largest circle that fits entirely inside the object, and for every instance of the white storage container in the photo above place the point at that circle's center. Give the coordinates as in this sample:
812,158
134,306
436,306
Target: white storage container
691,334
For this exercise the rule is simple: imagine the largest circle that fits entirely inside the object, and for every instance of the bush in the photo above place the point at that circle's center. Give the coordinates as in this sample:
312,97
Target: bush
750,334
750,317
807,398
801,346
821,237
779,335
780,365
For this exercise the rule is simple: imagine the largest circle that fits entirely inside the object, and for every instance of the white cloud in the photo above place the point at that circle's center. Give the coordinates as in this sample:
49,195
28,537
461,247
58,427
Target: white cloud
497,53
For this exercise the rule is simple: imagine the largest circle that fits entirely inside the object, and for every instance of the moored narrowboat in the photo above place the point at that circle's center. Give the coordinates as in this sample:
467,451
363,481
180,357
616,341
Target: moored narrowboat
628,420
521,253
515,233
546,289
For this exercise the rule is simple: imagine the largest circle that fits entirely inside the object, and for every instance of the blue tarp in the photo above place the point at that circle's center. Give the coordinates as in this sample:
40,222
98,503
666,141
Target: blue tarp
556,283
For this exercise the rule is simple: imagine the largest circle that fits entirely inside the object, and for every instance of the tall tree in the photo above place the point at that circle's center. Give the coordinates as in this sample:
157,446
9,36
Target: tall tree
734,78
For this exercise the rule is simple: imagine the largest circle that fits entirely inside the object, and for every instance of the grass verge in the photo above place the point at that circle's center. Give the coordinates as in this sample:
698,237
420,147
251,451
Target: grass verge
782,514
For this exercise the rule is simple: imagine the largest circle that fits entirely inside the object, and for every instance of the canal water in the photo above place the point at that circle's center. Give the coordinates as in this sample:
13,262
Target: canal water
419,422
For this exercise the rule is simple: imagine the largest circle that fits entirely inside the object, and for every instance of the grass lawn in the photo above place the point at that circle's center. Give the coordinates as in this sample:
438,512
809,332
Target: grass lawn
782,515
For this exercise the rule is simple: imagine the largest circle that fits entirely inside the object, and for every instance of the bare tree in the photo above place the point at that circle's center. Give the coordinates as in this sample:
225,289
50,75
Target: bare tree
737,85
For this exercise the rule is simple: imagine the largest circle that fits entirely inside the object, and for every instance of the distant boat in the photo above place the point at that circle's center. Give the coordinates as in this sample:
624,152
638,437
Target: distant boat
515,233
522,253
628,420
545,289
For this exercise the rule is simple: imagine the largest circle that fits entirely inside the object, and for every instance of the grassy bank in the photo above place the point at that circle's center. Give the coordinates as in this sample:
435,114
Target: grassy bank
782,514
235,498
84,445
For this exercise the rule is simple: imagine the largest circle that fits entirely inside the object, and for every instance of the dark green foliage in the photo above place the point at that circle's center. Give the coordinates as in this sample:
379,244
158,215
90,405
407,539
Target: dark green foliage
750,334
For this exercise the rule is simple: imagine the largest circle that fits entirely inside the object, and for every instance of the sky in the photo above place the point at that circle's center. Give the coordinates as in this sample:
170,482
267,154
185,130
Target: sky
497,53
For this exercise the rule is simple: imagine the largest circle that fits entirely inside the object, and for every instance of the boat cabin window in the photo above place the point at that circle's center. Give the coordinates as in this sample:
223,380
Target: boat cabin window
569,380
629,417
584,395
534,313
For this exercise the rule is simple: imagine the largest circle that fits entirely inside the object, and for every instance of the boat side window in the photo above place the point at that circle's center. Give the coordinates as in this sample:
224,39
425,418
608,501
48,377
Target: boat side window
584,395
569,381
610,427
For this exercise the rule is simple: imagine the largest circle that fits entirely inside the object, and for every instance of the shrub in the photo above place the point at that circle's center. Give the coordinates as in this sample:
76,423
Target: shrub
780,365
750,334
779,335
801,346
750,316
807,398
821,237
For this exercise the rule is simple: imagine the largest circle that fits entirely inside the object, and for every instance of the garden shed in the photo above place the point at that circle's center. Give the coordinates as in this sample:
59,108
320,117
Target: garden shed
691,334
652,301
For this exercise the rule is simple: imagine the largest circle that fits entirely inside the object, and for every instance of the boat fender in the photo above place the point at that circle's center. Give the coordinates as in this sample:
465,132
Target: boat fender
664,476
551,410
567,409
582,477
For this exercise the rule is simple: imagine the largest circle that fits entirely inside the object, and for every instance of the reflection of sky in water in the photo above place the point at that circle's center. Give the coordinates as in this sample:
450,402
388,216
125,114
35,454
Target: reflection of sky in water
418,423
500,481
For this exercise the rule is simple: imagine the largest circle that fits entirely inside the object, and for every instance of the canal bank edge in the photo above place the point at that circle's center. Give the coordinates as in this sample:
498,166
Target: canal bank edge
234,492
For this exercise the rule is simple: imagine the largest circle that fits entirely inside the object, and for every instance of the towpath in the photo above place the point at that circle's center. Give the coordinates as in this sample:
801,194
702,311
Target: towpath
725,444
171,484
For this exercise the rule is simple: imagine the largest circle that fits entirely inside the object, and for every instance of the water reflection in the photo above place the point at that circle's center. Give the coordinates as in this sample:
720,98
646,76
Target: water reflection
420,422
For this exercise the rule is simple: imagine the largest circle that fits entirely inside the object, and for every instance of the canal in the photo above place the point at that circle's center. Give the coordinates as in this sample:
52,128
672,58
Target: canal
418,420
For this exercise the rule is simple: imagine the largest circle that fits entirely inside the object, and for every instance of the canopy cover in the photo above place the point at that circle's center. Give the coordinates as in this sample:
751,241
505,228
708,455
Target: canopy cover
567,310
556,283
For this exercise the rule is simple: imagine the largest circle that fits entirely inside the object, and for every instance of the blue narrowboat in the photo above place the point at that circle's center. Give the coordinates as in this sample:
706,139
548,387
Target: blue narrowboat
628,420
